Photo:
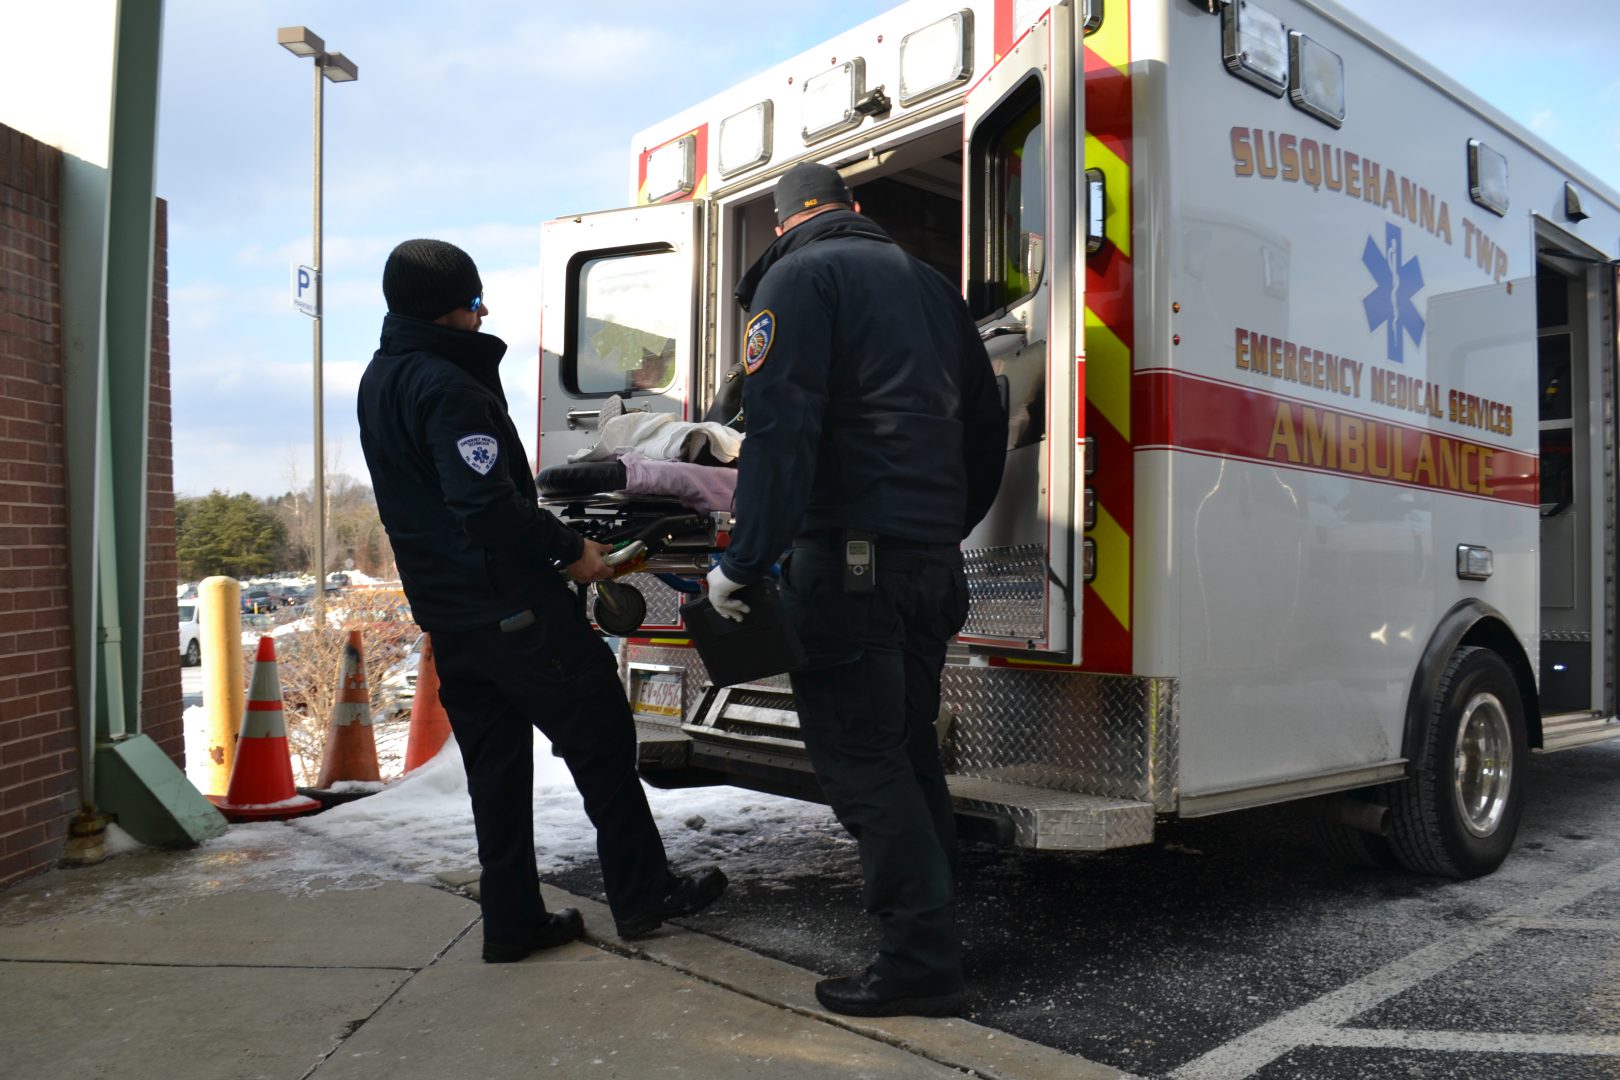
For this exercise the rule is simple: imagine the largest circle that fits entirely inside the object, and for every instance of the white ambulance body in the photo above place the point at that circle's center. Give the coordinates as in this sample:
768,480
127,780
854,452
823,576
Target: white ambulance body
1310,357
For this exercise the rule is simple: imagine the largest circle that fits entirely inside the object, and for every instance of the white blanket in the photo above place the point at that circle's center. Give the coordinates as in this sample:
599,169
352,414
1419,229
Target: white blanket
661,437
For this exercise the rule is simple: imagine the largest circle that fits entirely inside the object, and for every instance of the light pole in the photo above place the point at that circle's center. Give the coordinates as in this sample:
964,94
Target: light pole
299,41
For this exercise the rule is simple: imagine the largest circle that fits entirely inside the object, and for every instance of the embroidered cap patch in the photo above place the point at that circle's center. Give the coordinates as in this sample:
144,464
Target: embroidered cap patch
479,451
761,331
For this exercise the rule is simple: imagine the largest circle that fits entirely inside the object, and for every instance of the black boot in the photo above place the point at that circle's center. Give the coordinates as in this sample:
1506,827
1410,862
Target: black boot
560,928
871,994
688,896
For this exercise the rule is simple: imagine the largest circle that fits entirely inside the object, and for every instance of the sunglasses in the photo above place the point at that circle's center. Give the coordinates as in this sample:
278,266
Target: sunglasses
477,302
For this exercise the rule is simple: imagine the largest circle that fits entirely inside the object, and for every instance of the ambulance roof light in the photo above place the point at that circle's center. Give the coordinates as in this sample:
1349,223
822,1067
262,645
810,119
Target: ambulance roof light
672,169
1255,43
1316,79
828,102
745,139
937,57
1487,178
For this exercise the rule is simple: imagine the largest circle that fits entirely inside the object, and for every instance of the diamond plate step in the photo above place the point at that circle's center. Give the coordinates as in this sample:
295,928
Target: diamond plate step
1055,820
662,746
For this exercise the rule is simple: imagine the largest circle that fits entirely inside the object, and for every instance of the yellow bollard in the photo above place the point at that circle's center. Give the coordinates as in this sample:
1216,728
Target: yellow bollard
219,605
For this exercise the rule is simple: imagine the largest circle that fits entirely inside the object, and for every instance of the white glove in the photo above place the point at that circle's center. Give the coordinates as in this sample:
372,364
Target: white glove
721,589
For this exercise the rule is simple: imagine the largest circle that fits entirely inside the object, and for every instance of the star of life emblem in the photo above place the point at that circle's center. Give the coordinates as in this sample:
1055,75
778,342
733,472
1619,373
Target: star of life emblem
479,451
1390,304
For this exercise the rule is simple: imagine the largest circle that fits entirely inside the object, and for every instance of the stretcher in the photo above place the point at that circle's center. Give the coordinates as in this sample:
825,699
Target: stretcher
657,535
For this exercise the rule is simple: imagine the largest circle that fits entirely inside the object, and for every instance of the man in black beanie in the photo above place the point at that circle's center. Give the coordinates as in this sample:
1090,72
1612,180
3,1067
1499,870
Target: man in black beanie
876,439
479,561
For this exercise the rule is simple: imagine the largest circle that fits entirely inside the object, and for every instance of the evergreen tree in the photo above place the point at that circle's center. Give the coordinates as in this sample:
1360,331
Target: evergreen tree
235,535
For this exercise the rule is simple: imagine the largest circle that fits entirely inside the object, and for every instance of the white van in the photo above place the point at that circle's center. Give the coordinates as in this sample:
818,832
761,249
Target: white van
190,638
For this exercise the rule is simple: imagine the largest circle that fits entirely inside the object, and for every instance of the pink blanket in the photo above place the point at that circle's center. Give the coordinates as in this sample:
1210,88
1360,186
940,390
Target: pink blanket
702,487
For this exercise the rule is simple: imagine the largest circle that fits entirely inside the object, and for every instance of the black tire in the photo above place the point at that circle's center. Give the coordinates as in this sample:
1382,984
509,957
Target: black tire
1439,825
193,654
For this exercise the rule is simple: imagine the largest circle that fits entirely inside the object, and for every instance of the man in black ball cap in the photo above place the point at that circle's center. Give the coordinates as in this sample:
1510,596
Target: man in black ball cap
479,561
876,439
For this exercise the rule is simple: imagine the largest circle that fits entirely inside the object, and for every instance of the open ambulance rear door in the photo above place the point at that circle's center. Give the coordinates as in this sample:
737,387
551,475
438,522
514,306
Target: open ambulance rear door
1024,285
620,316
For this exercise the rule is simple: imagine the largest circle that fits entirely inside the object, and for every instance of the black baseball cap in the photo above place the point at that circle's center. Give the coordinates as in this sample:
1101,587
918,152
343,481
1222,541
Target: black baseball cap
808,185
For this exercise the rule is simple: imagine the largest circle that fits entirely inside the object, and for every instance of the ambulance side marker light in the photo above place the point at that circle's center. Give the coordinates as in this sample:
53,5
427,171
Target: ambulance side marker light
1090,561
1316,79
1091,509
1255,43
745,138
1474,562
937,57
1487,178
1096,209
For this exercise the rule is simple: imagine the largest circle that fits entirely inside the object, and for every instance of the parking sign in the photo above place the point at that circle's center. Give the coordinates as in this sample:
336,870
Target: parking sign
306,290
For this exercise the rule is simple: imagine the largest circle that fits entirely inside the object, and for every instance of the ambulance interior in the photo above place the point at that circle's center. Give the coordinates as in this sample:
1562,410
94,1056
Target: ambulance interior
913,190
1572,632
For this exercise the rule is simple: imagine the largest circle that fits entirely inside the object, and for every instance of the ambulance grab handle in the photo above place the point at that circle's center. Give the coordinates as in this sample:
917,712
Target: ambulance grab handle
1002,329
576,415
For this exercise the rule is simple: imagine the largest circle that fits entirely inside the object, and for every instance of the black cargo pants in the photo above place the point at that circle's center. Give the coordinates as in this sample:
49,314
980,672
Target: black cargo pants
867,700
559,676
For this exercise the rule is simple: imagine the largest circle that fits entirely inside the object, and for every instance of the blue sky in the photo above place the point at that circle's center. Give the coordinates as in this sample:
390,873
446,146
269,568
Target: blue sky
477,123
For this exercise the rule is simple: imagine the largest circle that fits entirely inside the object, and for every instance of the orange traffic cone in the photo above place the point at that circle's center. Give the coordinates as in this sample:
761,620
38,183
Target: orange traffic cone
261,786
430,725
351,746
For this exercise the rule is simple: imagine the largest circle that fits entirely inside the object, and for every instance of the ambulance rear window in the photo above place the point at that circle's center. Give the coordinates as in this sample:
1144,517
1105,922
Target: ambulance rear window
626,320
1009,156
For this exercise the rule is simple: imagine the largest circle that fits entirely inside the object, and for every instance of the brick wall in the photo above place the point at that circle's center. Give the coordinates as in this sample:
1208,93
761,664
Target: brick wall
39,715
39,718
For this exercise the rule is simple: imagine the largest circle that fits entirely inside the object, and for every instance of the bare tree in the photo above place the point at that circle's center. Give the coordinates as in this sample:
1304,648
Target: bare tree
312,664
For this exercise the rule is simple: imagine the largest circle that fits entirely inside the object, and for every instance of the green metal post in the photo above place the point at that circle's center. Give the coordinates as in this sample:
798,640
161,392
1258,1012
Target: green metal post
107,310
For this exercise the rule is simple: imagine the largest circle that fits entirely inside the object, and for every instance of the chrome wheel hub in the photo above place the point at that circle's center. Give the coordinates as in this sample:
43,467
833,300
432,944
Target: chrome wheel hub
1482,773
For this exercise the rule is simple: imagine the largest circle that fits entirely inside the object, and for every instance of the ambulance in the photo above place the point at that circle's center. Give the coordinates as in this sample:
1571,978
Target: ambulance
1310,360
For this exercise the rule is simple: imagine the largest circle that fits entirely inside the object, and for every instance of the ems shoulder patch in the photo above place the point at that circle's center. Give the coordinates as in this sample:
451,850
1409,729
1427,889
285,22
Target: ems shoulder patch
761,332
479,451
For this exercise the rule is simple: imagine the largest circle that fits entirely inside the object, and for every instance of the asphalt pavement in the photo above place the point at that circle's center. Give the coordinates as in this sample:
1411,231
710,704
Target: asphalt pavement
1232,948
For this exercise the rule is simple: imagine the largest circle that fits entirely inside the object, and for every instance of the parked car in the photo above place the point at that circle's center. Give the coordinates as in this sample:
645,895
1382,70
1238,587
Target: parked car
190,641
397,689
259,600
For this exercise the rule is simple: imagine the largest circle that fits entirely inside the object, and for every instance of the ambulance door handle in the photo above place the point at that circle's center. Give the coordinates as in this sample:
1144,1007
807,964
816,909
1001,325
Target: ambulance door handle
576,416
1002,329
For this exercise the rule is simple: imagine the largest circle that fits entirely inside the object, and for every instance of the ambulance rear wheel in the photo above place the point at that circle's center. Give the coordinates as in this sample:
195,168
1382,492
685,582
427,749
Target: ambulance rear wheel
1457,817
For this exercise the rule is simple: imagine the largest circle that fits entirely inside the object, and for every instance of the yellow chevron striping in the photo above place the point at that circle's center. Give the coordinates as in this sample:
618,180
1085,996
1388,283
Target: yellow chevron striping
1113,581
1108,374
1112,41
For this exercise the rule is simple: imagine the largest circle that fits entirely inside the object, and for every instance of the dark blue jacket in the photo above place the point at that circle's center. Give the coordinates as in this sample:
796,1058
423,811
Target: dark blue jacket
452,479
870,402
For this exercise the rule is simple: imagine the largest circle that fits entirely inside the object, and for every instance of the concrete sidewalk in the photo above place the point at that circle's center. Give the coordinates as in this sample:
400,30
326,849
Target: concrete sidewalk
197,965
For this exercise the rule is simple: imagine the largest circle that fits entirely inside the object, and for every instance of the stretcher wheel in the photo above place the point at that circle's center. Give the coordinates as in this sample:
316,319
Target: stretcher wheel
620,609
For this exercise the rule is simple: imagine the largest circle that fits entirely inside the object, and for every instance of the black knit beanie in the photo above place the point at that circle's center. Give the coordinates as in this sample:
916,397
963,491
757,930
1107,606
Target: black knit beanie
428,278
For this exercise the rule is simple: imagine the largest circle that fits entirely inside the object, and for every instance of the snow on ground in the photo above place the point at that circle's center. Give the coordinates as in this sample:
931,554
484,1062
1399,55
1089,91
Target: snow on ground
421,825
